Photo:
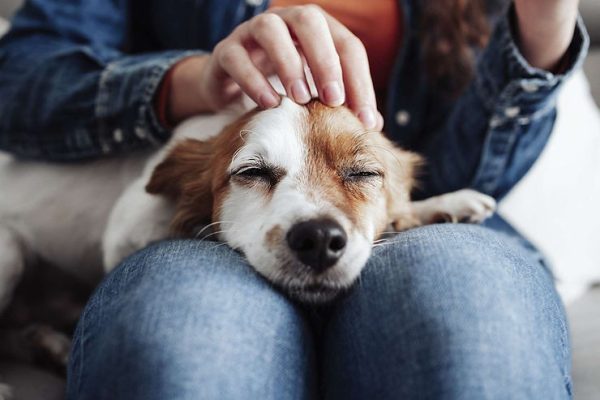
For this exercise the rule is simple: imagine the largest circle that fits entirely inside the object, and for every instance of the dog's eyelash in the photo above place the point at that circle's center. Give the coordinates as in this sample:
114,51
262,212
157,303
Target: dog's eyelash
265,173
252,172
362,174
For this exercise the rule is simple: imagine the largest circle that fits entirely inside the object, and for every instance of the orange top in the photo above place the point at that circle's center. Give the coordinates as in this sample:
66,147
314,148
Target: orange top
376,23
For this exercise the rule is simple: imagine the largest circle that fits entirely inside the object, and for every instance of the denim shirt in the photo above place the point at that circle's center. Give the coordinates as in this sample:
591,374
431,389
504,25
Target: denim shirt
78,77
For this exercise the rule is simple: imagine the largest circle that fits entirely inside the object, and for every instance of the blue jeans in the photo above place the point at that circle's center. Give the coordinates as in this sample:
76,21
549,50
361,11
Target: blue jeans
444,311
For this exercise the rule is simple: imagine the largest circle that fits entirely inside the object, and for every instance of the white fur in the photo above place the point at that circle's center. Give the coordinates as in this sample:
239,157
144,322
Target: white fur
464,205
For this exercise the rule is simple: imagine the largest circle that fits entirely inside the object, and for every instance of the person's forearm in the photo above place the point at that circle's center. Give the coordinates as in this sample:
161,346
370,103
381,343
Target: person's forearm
545,29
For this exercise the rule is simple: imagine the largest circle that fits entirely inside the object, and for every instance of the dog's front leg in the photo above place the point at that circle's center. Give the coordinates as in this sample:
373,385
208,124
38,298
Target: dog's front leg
137,219
465,205
12,264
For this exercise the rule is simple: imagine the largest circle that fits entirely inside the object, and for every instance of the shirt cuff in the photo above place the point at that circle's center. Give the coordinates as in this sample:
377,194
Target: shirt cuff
161,99
125,101
513,90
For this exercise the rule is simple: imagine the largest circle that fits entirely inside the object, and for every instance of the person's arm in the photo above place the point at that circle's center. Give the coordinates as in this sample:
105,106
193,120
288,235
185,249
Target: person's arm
545,30
68,90
499,126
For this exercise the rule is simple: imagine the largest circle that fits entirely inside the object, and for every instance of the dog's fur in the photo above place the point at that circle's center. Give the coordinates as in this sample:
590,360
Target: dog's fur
253,175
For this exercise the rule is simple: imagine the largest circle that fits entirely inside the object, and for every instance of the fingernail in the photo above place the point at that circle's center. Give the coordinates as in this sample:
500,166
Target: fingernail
332,94
300,92
268,100
367,116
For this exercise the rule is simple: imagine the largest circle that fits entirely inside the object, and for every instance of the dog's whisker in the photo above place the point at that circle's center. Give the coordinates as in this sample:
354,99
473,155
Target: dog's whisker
211,225
218,232
384,244
380,241
217,245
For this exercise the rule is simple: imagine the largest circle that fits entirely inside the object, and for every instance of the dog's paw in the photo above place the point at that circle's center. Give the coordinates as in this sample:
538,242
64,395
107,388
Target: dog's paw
49,344
466,205
6,392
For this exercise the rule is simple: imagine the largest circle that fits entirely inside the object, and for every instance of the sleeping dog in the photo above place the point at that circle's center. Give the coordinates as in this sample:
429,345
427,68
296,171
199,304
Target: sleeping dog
301,191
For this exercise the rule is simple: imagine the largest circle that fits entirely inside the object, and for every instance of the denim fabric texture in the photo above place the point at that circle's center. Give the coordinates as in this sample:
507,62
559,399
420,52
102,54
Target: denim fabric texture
77,79
443,311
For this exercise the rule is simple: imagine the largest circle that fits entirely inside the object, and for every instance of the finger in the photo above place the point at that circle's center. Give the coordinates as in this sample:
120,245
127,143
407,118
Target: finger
360,93
310,27
261,61
234,60
271,33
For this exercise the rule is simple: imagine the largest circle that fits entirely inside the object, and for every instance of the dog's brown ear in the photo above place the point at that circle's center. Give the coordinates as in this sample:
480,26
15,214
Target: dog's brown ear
401,169
185,161
185,176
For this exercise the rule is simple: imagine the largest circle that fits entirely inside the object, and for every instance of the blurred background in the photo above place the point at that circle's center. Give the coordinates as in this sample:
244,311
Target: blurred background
579,125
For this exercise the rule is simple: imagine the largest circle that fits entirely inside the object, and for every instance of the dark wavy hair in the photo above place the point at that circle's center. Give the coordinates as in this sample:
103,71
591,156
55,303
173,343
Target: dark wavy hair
450,32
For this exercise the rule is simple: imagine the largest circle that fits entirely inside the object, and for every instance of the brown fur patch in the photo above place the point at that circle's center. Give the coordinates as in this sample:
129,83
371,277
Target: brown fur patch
274,237
338,142
194,174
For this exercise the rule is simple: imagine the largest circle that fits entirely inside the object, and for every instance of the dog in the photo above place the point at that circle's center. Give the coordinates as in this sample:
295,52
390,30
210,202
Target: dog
301,191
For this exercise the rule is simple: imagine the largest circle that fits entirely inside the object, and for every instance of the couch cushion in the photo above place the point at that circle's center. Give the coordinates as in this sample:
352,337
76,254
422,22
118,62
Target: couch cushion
590,9
584,319
592,70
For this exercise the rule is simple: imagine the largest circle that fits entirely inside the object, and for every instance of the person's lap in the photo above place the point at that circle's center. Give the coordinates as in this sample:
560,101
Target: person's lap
444,311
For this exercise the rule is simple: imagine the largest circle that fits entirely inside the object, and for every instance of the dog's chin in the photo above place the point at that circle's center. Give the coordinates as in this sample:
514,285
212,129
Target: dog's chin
313,294
301,283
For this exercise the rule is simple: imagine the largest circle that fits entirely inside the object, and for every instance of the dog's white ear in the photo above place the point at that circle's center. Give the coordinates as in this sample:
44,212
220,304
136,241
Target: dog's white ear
185,177
401,167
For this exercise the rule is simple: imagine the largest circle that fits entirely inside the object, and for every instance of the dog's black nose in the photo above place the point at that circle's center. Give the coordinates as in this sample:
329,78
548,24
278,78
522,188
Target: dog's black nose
318,243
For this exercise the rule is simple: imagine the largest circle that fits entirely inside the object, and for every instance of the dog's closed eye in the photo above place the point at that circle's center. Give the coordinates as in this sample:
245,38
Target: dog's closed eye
261,172
362,174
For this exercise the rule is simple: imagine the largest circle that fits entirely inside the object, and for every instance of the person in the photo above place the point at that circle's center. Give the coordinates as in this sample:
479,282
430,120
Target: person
447,311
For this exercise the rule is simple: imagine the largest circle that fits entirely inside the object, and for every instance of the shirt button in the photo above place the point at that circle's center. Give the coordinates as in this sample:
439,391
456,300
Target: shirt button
402,117
105,148
118,135
512,112
529,87
140,132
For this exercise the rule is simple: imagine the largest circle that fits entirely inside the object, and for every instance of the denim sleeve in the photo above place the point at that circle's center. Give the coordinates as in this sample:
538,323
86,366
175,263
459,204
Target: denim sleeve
499,126
68,89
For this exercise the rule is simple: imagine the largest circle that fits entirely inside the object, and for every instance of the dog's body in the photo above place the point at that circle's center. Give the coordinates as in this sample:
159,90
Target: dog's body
276,184
59,212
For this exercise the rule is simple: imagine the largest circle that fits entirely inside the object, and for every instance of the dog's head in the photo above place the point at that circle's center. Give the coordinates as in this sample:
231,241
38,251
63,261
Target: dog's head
302,191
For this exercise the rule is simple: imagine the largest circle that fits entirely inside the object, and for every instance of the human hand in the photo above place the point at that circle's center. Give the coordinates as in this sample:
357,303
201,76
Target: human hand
281,41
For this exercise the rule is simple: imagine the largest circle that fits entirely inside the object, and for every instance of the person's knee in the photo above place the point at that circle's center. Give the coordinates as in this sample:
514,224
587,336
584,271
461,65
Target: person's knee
196,311
458,278
461,302
466,263
187,281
